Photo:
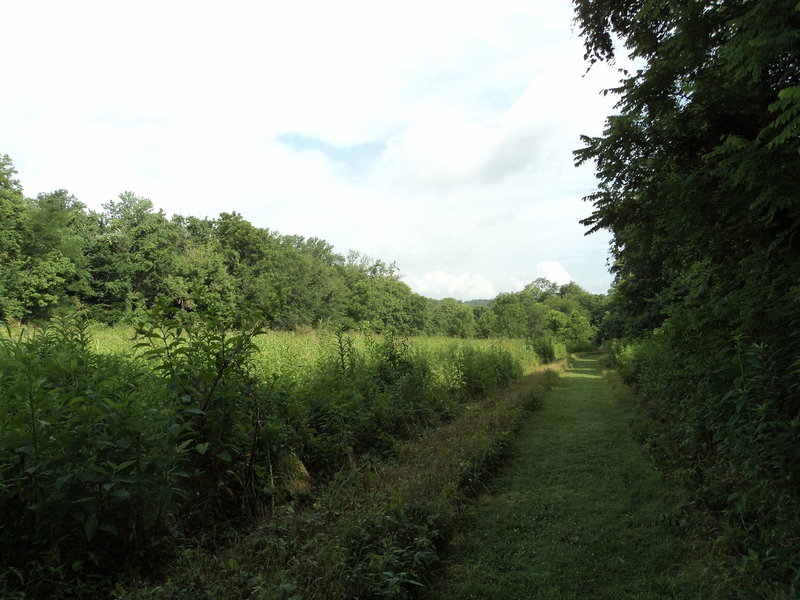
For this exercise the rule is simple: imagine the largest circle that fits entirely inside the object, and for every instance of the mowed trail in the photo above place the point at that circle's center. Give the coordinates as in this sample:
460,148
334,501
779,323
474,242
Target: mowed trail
578,512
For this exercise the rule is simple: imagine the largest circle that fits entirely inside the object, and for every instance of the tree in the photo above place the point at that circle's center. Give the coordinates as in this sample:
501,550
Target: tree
540,289
696,170
40,248
12,226
453,318
200,281
511,318
60,222
131,256
699,176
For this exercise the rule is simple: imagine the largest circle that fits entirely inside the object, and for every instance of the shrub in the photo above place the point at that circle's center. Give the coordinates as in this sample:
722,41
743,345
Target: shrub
736,427
548,348
362,400
107,460
217,404
88,468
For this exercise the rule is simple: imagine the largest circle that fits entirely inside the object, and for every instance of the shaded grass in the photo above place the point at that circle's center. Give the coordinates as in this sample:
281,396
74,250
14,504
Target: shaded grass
580,512
375,532
712,545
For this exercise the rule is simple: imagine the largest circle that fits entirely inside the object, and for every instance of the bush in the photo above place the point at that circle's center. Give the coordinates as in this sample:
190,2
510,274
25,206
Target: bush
622,354
580,346
106,461
736,429
361,401
88,467
217,404
486,370
548,348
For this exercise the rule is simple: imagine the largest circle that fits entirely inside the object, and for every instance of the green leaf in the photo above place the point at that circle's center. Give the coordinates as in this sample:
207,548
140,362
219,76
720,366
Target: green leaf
224,455
124,465
128,479
790,93
90,527
202,448
109,528
120,494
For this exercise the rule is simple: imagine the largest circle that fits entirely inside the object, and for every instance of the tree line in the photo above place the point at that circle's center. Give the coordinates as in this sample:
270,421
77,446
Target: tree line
60,257
699,175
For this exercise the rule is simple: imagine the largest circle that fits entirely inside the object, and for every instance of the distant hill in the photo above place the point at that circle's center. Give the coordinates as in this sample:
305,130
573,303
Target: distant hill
477,302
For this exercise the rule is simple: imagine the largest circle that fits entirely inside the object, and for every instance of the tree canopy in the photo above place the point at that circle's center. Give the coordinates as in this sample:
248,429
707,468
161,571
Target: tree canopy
699,179
110,264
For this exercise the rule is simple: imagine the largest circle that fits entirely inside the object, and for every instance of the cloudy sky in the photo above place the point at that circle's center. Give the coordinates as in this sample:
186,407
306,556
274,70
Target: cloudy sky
434,133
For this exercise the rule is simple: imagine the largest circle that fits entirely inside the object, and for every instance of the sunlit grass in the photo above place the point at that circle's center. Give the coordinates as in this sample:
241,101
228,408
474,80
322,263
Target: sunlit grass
281,351
112,340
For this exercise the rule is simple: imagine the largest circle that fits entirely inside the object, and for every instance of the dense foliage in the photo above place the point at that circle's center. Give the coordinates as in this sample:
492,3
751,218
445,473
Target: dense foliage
108,461
113,265
113,463
58,257
699,178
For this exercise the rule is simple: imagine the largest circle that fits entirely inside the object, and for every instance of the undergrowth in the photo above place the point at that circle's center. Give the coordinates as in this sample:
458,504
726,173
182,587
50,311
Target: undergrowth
375,534
119,467
737,557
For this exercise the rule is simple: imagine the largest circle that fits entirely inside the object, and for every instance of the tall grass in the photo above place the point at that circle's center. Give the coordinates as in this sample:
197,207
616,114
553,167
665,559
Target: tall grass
280,351
118,443
377,533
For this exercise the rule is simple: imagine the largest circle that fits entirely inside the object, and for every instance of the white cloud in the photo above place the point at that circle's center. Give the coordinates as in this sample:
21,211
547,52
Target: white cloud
477,108
549,269
552,270
462,286
439,147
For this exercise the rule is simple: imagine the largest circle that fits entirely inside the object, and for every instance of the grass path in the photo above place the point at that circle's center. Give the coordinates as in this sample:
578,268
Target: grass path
577,513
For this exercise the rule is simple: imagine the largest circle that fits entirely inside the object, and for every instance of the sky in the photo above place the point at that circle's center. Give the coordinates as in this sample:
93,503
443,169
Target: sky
437,134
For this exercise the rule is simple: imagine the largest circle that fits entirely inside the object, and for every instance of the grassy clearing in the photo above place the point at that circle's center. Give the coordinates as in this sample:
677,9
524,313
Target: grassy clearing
280,351
376,533
580,512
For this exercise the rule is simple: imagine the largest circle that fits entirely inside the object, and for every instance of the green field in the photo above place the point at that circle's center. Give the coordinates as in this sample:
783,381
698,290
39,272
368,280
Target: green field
280,350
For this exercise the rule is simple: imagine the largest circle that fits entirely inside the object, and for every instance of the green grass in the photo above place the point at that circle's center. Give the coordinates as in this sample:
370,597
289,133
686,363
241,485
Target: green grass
116,465
296,350
578,513
374,534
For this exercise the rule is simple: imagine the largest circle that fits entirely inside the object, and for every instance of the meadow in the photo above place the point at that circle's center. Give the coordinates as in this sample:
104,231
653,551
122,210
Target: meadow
280,350
122,447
